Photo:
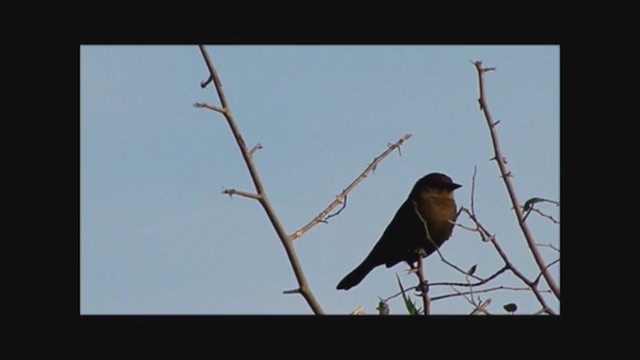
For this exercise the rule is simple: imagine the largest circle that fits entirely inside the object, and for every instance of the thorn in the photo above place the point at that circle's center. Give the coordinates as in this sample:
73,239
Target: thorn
203,84
255,147
292,291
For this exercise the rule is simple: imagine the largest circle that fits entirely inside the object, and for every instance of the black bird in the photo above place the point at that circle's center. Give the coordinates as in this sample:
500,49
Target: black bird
406,237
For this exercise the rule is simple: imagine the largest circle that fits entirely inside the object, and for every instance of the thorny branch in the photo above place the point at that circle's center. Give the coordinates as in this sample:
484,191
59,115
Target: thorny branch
486,236
508,264
339,199
482,291
261,195
303,286
506,177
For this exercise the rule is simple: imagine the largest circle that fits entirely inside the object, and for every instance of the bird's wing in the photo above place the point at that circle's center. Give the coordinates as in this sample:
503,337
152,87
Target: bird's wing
401,237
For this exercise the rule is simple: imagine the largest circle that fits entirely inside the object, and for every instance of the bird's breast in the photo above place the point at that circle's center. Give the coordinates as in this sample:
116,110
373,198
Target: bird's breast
438,212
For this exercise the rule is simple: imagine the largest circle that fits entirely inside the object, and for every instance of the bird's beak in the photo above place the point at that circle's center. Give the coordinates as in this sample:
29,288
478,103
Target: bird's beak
455,186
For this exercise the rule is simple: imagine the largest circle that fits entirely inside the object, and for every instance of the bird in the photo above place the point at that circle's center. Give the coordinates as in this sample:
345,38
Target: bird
407,237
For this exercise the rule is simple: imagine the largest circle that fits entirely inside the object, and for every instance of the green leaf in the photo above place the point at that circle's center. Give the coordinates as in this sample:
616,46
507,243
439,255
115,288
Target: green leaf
408,303
511,308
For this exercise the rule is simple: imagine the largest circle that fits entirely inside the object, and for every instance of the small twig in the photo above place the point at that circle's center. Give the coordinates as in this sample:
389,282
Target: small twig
210,107
344,204
473,189
481,282
497,288
506,176
549,245
485,235
232,192
466,227
470,287
338,200
546,216
255,148
548,266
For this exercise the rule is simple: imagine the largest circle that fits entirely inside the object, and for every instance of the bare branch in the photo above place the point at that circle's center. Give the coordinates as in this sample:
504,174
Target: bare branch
481,282
338,200
249,195
507,181
304,288
548,266
546,216
473,189
549,245
497,288
469,284
506,260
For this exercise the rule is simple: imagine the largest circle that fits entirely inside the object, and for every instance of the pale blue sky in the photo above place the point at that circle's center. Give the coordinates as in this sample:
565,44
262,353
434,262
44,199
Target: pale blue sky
158,237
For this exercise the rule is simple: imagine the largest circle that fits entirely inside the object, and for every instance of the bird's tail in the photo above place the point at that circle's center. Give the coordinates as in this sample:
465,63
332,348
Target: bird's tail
355,277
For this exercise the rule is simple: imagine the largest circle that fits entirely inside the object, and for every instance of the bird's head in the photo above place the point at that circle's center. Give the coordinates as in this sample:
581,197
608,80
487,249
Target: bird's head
435,183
